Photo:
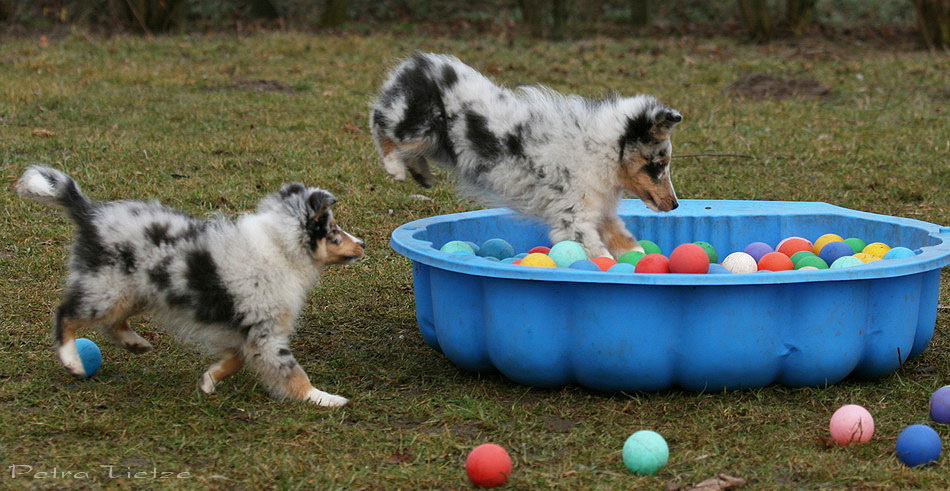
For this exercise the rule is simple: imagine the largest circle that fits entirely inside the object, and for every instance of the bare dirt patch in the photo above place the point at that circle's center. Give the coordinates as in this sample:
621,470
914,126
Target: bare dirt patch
764,86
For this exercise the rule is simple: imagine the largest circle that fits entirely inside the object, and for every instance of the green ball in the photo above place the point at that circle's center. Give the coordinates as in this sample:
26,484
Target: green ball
645,452
455,246
566,253
857,244
798,256
631,257
811,261
710,251
650,247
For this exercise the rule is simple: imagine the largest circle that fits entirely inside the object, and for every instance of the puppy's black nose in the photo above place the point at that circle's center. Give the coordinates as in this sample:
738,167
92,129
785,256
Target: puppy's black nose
676,204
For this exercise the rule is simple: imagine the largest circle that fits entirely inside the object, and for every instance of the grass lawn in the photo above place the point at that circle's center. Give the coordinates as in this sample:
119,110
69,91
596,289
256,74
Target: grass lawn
214,123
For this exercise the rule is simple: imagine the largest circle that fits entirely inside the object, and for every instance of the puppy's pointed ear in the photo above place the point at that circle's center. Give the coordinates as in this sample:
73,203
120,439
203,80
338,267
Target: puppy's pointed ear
319,202
318,216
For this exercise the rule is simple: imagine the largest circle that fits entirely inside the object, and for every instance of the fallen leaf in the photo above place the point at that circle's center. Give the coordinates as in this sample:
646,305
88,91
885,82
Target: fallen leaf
721,481
44,42
351,128
42,132
399,458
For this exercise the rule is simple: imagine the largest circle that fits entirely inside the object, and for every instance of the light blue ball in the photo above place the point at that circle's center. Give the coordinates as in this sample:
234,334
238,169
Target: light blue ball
846,262
521,255
509,260
584,265
497,248
622,268
645,452
718,269
492,259
566,253
473,245
899,253
918,445
457,245
90,355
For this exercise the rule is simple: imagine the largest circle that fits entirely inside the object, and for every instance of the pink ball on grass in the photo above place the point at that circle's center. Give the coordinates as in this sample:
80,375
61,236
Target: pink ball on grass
851,424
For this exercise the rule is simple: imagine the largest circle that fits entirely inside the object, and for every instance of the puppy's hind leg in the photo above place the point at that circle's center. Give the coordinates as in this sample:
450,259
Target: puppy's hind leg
231,361
76,312
267,353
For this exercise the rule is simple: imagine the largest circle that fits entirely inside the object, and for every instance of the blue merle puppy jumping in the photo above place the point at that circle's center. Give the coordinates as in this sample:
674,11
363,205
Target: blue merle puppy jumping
565,160
234,288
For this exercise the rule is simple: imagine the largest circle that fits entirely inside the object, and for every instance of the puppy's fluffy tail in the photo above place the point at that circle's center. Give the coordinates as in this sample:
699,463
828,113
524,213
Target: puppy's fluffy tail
53,188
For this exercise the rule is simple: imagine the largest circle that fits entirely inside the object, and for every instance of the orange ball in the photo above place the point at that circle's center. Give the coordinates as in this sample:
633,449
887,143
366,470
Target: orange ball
488,465
603,262
689,258
775,261
794,244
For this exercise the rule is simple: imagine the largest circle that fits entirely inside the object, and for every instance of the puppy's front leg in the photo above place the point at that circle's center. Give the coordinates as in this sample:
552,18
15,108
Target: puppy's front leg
618,240
267,352
231,361
582,231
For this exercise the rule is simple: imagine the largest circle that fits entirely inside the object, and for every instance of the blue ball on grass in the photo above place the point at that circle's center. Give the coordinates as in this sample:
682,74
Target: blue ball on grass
918,445
90,355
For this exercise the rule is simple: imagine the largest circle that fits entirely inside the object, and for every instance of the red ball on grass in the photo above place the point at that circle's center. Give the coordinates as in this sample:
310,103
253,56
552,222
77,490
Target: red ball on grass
689,258
488,465
775,261
653,263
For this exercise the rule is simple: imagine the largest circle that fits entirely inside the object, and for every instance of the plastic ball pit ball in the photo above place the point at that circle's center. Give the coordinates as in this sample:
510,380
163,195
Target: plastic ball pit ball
918,445
866,258
622,268
488,465
757,250
775,261
718,269
566,253
833,250
457,245
653,263
740,263
650,247
807,268
813,261
851,424
604,263
824,239
940,405
584,265
541,249
689,259
645,452
538,260
798,256
496,248
90,355
857,245
631,258
899,253
878,249
846,262
793,245
710,251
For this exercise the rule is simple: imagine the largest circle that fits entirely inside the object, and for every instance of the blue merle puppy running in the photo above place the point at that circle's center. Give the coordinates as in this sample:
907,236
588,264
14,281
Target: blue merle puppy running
233,288
563,159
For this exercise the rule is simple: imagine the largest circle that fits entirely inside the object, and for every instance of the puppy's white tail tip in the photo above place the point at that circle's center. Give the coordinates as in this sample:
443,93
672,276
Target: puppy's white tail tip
42,184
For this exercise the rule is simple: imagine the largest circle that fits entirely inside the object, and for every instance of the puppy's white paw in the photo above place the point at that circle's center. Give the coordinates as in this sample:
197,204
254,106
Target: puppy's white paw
206,383
322,398
395,167
69,357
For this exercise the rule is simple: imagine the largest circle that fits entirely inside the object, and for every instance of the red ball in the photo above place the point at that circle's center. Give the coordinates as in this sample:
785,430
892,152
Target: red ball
775,261
488,465
603,262
794,244
654,263
689,258
541,249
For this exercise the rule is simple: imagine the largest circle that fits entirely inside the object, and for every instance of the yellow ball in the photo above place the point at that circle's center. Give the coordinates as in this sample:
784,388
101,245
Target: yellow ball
538,259
866,258
824,239
877,249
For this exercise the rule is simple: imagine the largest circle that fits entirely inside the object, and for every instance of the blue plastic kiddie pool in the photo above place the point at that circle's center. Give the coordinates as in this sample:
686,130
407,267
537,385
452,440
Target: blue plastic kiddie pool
550,327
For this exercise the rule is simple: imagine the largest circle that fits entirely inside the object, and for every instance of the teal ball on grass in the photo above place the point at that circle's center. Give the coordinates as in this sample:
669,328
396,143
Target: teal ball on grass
90,355
567,252
645,452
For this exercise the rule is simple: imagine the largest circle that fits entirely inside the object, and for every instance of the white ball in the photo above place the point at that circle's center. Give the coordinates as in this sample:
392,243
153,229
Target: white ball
740,262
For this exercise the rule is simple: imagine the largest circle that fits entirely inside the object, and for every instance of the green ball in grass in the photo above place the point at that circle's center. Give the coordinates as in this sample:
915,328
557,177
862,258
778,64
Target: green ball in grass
710,251
650,247
631,257
645,452
798,256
